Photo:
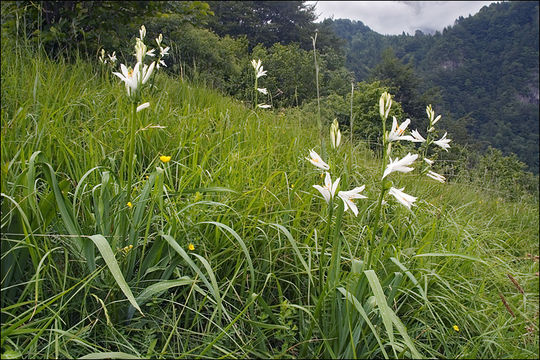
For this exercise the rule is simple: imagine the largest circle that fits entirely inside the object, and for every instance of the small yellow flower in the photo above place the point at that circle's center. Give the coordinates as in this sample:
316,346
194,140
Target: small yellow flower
455,327
129,204
191,247
292,186
127,249
164,158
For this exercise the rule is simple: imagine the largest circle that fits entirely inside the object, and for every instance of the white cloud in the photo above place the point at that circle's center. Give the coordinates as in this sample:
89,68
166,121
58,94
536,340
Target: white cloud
394,17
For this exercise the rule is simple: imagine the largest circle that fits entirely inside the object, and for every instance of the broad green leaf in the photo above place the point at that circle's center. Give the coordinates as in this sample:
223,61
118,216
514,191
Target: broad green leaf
108,255
110,355
353,300
156,289
388,314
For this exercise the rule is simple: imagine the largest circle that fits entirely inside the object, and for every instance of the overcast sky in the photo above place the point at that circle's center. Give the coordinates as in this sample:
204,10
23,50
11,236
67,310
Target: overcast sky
394,17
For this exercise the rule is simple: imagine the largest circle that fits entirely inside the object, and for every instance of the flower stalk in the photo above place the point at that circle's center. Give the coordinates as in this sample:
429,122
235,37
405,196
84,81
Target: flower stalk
131,150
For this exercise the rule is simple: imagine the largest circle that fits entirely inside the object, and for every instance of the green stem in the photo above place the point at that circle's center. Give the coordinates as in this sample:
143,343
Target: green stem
378,209
319,122
352,96
256,92
131,149
322,263
336,250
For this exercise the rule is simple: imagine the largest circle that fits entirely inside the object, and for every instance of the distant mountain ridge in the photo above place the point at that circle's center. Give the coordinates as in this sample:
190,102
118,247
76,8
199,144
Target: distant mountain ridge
486,67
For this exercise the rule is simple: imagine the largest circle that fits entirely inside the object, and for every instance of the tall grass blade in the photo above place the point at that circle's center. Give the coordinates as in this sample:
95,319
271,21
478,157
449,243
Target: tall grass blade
108,255
388,315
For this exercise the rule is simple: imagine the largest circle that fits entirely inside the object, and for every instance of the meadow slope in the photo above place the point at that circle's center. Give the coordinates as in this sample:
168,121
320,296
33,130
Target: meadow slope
458,270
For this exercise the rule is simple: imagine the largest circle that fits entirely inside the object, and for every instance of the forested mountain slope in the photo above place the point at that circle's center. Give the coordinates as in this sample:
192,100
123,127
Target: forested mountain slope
485,66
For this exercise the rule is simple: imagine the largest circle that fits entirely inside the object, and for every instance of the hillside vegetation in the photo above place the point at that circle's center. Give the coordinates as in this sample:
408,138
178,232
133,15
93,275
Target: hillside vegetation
485,68
173,221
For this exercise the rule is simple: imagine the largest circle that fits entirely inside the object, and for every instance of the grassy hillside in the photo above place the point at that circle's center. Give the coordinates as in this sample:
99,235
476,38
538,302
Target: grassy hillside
221,247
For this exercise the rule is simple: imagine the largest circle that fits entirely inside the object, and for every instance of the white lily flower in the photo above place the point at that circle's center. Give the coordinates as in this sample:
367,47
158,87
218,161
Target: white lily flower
400,165
263,91
349,196
160,62
151,53
335,134
417,137
406,199
112,57
256,64
146,72
159,39
264,106
140,50
436,119
129,77
385,103
163,52
397,131
258,68
316,160
329,188
430,113
430,162
443,142
436,176
143,106
142,32
102,56
261,72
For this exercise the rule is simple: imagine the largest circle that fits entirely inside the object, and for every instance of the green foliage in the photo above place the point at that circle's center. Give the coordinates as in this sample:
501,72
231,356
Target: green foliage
505,174
367,125
70,28
202,56
402,81
485,67
270,22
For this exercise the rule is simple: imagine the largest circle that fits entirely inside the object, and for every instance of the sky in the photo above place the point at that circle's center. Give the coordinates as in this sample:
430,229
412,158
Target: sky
394,17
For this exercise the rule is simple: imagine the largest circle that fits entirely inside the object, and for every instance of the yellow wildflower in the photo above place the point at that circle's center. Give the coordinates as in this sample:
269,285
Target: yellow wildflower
129,204
191,247
455,327
164,158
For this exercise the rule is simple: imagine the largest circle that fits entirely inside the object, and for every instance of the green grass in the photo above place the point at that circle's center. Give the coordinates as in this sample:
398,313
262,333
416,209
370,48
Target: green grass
238,187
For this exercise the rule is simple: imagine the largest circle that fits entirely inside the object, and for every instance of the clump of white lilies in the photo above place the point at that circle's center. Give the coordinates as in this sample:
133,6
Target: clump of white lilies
134,79
397,133
110,59
259,72
389,165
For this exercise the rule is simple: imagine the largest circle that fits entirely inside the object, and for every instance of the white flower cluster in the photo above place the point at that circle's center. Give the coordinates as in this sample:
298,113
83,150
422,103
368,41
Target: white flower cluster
110,59
329,189
259,72
139,75
397,133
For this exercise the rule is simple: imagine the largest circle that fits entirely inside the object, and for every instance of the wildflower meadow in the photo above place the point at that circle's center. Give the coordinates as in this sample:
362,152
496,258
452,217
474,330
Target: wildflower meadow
145,215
